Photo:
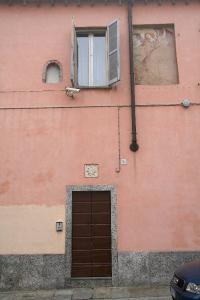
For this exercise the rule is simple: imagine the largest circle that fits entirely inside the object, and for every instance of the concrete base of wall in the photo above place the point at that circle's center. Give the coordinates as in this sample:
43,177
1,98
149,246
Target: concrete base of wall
32,272
150,268
49,271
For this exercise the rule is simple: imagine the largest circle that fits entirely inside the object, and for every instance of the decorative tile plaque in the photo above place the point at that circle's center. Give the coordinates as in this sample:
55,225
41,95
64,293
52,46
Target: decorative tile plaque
91,170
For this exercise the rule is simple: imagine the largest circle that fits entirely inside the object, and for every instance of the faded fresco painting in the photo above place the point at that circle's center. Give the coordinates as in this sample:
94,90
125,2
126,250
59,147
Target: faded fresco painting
155,55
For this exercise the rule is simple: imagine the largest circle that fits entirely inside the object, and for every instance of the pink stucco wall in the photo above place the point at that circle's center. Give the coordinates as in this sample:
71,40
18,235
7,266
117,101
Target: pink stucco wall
44,149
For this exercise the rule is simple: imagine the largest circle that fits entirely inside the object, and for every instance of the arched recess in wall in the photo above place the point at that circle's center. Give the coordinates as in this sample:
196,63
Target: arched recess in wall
52,72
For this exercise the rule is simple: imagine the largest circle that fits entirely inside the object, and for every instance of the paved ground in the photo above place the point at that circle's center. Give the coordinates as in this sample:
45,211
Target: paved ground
108,293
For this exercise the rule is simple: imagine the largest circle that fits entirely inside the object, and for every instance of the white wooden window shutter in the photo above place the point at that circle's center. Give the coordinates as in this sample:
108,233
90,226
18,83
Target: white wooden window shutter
113,52
73,71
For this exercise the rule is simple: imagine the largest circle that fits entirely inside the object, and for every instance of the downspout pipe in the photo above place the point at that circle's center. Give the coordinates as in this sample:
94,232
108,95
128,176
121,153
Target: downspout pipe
133,146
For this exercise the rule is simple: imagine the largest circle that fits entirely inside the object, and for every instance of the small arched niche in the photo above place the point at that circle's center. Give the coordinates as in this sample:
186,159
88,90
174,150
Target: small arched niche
52,72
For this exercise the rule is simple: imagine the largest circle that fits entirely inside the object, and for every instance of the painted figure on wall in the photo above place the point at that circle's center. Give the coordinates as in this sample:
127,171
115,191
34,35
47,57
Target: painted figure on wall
154,55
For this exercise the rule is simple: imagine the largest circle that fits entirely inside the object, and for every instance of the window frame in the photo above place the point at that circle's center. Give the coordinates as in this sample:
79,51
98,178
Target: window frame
90,32
74,55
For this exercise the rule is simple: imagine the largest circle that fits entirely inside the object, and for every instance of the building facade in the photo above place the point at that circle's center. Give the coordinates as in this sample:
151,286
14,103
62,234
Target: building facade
78,206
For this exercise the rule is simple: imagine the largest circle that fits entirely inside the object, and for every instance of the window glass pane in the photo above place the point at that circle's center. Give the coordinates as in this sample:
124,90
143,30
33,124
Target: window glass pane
99,61
53,73
83,61
155,55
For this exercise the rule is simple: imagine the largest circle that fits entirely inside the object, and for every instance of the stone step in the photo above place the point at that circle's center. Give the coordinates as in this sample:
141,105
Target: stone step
63,297
119,292
103,293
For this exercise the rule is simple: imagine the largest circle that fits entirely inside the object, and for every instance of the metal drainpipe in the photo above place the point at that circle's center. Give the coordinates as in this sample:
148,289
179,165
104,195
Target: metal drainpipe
133,146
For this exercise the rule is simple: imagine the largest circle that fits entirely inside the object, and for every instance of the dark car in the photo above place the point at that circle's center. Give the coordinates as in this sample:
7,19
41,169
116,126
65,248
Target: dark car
185,284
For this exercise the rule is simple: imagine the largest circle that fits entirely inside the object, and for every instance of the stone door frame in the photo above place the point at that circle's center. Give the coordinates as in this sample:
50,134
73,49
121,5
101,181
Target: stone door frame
68,234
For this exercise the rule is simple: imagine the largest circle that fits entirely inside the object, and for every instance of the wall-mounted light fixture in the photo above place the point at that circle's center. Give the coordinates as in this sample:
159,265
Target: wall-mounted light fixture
71,91
186,103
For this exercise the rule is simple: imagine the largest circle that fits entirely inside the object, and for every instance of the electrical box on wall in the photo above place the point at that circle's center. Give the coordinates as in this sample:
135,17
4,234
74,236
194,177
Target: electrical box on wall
59,226
123,161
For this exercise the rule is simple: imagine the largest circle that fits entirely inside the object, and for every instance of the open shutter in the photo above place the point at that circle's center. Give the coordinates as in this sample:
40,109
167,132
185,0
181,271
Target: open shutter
73,71
113,52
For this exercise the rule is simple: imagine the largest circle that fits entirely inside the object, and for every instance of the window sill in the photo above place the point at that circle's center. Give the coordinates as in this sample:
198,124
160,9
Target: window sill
94,87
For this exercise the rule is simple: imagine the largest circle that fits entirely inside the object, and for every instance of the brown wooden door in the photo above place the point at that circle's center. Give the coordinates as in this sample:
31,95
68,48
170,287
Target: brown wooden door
91,234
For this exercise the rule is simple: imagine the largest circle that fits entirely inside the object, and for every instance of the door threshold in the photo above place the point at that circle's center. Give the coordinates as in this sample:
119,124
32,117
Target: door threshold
90,278
89,282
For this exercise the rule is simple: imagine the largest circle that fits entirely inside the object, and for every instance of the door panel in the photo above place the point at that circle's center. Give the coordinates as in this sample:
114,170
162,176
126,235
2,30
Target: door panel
81,270
101,207
102,270
101,218
91,234
82,230
81,243
101,230
79,218
84,208
102,256
82,257
101,243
